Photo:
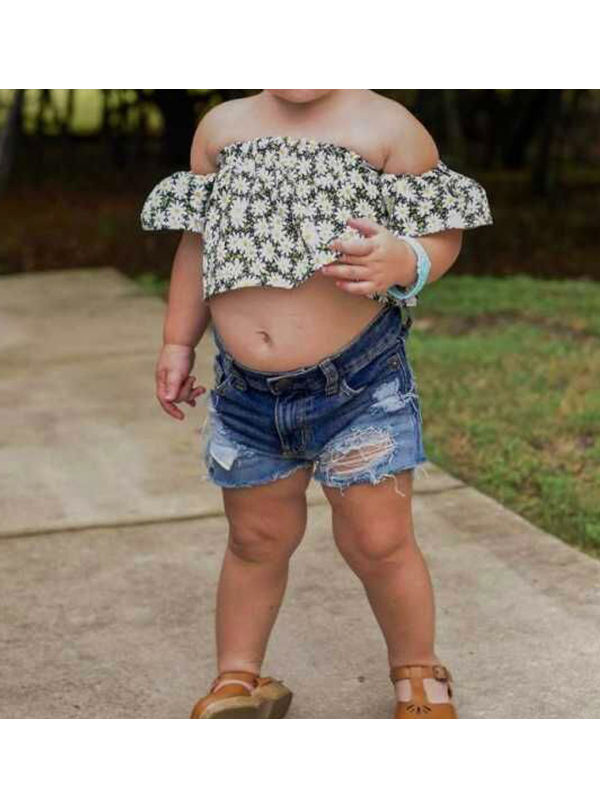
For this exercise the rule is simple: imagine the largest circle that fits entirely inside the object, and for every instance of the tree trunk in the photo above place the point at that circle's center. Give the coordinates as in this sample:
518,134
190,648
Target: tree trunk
544,175
527,109
454,134
9,136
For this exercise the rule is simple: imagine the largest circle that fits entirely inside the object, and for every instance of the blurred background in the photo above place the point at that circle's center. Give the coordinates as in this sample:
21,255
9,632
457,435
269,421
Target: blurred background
75,164
505,346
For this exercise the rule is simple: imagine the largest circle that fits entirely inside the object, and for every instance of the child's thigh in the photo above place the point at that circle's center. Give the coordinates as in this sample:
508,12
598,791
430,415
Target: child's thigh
277,509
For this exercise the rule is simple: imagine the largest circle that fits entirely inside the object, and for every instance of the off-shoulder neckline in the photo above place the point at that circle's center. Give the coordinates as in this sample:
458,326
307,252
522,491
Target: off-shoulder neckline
295,140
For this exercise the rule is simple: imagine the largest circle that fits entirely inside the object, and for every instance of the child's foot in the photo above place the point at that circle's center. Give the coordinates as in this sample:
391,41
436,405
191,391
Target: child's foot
243,695
423,692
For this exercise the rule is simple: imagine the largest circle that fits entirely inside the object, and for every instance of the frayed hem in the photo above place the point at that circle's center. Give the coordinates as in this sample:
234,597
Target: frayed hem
375,480
250,484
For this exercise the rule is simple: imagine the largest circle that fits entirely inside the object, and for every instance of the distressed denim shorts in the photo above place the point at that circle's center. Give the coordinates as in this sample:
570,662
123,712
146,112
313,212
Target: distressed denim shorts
353,417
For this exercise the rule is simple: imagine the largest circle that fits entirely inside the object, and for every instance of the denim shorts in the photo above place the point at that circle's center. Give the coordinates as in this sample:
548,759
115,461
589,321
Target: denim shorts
353,417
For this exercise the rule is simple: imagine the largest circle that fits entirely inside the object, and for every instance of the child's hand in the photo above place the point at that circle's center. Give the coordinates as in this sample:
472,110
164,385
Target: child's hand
372,264
174,384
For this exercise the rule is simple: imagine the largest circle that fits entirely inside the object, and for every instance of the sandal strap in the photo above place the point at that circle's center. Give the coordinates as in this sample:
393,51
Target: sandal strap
267,679
409,671
241,677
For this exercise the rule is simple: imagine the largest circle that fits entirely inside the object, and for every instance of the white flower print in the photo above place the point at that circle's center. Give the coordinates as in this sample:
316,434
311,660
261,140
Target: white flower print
268,251
401,216
180,186
248,165
285,244
284,264
176,215
304,166
247,246
261,228
255,266
240,185
364,209
197,198
372,191
310,234
346,192
454,218
264,175
302,210
324,204
259,207
277,228
355,177
342,215
274,204
238,212
320,162
326,231
235,242
303,189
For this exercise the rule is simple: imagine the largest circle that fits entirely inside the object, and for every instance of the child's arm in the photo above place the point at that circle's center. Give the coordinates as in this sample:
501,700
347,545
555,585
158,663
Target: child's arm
187,315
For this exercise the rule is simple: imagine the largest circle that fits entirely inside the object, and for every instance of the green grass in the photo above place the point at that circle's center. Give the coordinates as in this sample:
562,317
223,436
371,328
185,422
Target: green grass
152,284
509,375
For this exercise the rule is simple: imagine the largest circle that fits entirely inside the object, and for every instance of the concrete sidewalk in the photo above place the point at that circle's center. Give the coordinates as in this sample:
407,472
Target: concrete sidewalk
111,547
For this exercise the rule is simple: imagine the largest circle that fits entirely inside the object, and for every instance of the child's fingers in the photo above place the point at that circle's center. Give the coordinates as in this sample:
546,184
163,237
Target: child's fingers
194,394
185,390
171,409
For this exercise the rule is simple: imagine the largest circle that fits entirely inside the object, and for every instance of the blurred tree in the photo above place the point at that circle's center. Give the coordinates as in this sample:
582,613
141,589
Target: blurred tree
9,135
180,112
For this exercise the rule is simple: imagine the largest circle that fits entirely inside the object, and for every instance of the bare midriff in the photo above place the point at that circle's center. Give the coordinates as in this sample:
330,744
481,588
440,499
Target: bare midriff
270,329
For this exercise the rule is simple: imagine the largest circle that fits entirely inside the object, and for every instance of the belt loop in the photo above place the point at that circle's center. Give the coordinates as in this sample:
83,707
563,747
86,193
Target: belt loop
227,361
331,375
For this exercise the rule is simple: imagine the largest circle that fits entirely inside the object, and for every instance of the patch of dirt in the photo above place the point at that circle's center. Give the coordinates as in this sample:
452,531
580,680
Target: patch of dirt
461,325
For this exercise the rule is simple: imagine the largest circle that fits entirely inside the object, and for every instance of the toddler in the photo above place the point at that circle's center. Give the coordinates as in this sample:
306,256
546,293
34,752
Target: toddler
311,220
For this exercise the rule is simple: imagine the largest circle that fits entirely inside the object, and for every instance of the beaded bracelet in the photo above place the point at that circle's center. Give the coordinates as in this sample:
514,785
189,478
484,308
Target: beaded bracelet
423,267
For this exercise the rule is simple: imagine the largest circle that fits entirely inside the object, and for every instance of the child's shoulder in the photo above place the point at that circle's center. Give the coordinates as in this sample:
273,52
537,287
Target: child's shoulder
408,145
210,131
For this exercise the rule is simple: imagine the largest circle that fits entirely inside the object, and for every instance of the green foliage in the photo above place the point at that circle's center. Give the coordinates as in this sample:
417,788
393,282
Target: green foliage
152,284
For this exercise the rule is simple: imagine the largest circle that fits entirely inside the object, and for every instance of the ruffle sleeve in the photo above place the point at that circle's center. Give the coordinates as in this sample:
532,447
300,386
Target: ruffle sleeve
436,200
179,203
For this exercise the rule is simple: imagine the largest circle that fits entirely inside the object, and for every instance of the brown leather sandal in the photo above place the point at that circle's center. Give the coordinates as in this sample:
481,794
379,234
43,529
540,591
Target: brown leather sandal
244,695
419,707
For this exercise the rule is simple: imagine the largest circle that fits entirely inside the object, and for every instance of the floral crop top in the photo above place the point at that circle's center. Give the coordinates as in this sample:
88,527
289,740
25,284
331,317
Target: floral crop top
268,213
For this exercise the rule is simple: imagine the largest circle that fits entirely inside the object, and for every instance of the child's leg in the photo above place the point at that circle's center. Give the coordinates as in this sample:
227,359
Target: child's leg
266,524
373,529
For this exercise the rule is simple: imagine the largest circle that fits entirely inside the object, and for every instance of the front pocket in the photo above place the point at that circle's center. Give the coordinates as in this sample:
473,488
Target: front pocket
348,390
391,363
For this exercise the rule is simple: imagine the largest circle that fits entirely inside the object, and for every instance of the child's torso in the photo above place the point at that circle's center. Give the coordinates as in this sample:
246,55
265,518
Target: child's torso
268,328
